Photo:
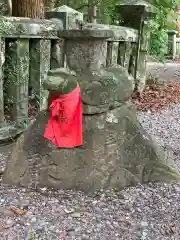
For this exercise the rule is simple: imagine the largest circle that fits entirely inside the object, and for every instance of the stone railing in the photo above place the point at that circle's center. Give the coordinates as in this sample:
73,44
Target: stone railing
25,58
30,48
121,49
173,45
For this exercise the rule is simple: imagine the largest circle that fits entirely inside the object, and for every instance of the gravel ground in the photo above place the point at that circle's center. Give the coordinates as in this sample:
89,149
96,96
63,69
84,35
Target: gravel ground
164,72
164,127
150,212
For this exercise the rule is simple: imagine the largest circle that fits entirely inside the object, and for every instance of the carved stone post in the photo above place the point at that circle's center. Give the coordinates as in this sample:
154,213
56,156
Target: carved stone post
16,87
135,14
2,60
172,44
68,19
39,67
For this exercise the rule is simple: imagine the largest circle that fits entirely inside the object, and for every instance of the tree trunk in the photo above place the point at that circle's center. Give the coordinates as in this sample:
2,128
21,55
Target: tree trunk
28,8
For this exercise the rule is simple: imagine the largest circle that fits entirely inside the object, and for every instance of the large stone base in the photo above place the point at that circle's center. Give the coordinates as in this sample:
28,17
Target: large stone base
117,152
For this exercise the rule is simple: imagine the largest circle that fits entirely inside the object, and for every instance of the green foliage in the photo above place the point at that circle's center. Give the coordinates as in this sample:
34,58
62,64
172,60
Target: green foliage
159,38
160,25
165,4
107,8
158,42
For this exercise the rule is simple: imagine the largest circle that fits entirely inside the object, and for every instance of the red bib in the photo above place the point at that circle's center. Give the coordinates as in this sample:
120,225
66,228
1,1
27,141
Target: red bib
64,128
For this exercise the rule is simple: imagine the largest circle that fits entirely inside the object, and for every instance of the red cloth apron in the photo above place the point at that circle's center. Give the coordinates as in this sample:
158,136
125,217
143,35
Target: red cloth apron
64,128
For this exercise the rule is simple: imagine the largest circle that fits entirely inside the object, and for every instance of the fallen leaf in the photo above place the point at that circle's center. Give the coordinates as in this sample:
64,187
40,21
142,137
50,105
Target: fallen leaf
156,97
19,211
170,229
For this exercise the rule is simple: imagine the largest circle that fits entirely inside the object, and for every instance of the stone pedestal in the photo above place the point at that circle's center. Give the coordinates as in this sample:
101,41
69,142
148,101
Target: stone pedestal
116,151
86,50
120,46
70,19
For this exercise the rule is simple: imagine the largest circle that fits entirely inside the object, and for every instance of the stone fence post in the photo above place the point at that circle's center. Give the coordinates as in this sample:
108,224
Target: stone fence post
171,44
25,60
136,14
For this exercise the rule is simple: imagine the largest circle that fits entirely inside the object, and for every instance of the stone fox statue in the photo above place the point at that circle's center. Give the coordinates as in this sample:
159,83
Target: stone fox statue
116,151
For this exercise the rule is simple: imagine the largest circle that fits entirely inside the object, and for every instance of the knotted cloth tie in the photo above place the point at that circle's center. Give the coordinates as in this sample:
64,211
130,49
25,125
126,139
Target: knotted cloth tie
64,128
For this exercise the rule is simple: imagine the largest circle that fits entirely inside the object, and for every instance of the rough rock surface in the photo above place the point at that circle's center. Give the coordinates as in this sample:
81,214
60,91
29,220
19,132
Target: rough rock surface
117,152
26,26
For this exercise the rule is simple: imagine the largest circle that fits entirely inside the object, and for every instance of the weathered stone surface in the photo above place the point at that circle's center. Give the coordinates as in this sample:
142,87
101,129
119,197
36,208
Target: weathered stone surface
142,58
2,60
135,14
124,54
86,60
101,90
67,15
116,152
112,53
39,66
172,53
120,33
26,26
86,33
136,7
16,82
60,81
57,53
17,32
86,50
105,88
